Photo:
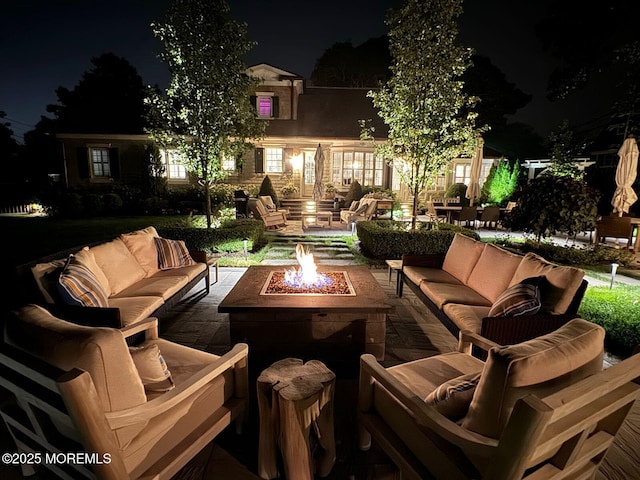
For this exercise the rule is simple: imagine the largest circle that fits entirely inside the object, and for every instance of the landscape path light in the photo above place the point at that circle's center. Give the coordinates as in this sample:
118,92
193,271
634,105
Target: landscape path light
614,267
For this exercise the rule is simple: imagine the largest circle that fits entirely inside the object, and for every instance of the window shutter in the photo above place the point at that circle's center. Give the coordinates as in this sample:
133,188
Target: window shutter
275,107
253,99
288,166
83,162
114,163
259,160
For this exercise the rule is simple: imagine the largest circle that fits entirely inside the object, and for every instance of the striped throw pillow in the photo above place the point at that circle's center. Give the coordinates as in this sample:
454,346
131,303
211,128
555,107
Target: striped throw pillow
521,299
452,398
77,285
172,254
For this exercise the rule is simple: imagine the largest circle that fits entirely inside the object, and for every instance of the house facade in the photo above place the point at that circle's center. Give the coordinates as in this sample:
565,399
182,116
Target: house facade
300,119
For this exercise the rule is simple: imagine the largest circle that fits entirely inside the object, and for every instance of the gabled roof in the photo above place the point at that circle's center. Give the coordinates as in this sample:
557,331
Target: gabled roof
331,113
264,71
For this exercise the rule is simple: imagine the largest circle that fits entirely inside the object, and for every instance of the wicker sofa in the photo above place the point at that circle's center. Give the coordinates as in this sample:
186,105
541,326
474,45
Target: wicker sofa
482,288
128,271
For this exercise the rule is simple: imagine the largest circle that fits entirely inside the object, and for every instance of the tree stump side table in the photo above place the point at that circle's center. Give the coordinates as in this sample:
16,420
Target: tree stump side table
295,401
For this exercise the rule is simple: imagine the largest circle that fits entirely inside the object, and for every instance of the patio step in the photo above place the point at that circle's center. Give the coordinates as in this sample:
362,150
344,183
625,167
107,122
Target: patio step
297,205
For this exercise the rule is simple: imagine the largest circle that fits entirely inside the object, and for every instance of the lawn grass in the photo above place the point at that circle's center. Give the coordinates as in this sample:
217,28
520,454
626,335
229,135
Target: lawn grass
617,310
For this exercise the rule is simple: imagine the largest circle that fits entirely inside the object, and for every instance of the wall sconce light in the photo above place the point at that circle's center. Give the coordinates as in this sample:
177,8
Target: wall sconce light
614,267
296,162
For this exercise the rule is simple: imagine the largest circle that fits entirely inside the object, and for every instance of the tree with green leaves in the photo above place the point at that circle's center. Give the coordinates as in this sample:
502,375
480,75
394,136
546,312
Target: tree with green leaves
501,182
430,118
563,153
206,111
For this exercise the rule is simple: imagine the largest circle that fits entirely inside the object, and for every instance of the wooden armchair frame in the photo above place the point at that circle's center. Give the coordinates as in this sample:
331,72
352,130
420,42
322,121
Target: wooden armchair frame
47,396
563,435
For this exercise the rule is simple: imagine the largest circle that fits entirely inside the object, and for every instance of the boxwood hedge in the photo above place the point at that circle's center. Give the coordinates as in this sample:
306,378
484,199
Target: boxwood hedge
231,232
392,239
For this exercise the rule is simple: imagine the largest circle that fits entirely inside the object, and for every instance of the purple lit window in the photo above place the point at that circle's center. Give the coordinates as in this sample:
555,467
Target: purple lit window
264,106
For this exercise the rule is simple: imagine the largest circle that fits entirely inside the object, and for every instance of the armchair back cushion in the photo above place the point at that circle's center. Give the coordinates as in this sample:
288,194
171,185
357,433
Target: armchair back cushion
102,352
540,366
560,282
462,256
267,201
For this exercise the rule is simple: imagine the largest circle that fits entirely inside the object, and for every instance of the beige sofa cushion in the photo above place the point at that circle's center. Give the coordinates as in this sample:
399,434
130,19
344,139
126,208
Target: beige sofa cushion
118,264
560,286
540,366
493,272
466,317
427,274
444,293
156,286
189,271
141,244
462,256
135,309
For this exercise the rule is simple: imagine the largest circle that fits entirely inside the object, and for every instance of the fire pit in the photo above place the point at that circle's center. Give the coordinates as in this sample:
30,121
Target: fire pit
279,320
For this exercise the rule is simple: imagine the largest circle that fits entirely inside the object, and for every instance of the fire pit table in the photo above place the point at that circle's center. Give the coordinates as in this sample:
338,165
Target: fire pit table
281,320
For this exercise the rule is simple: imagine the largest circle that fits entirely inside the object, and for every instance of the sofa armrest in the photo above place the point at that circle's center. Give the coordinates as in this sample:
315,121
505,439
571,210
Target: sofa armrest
88,316
506,330
198,255
432,260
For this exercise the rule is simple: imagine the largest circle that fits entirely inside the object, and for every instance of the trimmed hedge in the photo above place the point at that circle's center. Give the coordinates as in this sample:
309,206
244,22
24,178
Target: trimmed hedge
231,232
391,239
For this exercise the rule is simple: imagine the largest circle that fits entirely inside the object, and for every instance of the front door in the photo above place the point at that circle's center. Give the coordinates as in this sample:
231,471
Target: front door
308,173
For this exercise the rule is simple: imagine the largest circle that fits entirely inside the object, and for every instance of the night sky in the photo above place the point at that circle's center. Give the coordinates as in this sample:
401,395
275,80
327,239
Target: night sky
45,44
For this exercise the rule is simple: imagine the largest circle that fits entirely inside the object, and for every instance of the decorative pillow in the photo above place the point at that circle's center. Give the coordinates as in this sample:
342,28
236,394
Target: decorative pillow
362,208
172,253
77,285
521,299
152,368
267,202
354,205
46,277
452,398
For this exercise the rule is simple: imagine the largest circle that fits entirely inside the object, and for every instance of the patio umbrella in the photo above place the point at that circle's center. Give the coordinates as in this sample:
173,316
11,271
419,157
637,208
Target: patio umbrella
626,173
473,191
318,186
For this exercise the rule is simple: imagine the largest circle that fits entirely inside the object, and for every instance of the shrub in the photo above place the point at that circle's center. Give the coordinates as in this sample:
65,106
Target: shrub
355,193
550,205
111,202
391,239
617,310
458,190
92,203
266,188
570,255
231,232
71,205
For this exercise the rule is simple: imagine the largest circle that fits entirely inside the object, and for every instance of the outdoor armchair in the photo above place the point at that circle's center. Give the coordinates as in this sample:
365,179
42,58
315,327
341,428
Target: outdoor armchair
613,226
540,409
68,388
270,218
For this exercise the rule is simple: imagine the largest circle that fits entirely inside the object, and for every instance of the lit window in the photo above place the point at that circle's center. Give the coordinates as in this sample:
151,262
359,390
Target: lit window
100,164
228,164
273,157
264,107
462,173
361,166
174,169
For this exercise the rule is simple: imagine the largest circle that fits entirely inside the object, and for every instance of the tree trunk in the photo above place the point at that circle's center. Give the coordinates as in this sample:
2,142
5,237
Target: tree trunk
415,208
207,203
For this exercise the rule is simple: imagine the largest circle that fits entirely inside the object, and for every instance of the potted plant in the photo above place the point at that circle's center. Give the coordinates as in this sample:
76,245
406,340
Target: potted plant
289,189
329,190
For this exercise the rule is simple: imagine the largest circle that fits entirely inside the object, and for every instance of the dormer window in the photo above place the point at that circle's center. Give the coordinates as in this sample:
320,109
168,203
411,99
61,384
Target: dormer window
266,104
